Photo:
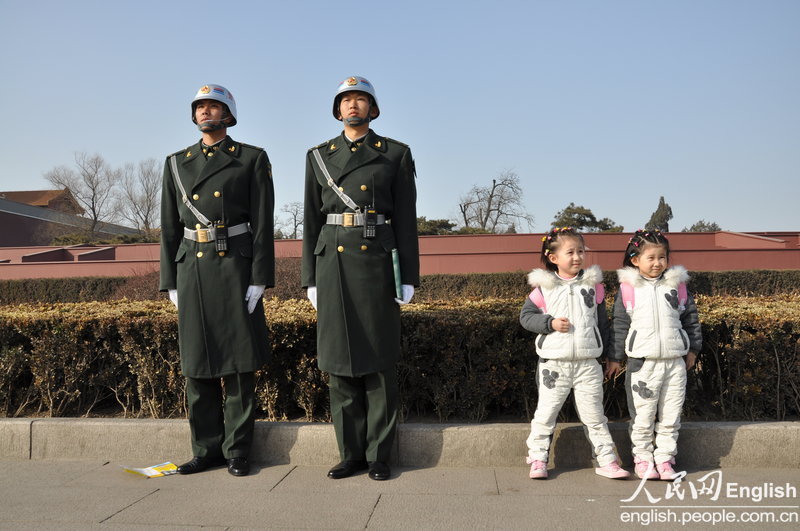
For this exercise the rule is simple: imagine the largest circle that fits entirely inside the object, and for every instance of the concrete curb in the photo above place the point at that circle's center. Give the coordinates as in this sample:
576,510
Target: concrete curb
702,444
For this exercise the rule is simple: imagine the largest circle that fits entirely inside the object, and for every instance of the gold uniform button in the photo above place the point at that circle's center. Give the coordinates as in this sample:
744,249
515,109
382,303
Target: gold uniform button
221,253
210,153
341,188
340,249
200,254
217,194
195,197
363,247
363,187
198,226
353,148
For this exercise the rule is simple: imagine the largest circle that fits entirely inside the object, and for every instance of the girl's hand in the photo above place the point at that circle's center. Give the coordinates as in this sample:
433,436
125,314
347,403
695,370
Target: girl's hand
613,368
560,325
691,357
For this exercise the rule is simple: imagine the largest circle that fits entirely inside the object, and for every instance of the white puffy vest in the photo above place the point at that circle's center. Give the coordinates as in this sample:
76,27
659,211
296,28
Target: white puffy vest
574,300
656,330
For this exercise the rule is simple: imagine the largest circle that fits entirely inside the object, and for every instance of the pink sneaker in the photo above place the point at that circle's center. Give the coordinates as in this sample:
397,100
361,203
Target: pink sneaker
665,471
646,470
538,469
612,471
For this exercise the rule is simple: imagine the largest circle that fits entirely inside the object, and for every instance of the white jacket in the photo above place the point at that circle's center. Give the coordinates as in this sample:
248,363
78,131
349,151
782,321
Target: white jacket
574,300
656,330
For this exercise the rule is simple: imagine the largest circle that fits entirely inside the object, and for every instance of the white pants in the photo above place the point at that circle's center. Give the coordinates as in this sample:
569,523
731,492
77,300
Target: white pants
555,379
656,392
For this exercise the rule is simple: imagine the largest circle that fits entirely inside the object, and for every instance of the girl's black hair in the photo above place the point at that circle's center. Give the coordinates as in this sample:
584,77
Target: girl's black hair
638,241
551,242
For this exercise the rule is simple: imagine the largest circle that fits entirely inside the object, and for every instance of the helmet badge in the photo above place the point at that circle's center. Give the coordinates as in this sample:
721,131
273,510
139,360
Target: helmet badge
351,82
205,90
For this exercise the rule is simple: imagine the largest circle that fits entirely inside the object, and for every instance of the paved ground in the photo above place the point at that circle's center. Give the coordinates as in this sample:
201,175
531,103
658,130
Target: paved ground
86,494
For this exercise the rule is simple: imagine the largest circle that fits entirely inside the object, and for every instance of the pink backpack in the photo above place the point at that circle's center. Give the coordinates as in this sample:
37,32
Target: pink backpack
537,297
629,298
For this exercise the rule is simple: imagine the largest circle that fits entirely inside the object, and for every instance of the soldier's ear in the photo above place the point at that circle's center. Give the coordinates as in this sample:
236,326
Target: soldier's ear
373,111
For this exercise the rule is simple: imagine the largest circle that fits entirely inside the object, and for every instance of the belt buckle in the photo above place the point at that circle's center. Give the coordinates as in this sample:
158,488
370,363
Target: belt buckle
202,235
348,219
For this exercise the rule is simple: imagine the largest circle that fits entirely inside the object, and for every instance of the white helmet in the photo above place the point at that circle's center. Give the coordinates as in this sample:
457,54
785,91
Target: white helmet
220,94
355,83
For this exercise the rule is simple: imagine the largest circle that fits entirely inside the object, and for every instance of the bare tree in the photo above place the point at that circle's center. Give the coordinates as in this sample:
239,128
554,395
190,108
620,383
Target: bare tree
497,207
91,183
138,196
294,223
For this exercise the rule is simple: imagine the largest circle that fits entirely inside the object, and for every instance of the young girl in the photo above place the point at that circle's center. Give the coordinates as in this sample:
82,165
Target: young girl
656,325
567,311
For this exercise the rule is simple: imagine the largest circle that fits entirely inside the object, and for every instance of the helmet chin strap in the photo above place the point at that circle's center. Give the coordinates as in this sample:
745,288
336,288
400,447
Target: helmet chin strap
211,125
355,121
215,125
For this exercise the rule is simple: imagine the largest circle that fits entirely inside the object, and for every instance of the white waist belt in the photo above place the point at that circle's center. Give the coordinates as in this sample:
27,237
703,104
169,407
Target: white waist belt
209,235
351,219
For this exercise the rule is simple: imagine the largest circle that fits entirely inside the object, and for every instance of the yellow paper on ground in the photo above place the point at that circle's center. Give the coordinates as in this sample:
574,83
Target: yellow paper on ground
155,471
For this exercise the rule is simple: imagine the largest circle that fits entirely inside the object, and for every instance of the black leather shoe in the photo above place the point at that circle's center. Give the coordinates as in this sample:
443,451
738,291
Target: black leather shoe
378,470
238,466
345,469
198,464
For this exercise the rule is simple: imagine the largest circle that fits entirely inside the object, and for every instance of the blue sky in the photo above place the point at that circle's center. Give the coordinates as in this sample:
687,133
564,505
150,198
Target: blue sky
608,104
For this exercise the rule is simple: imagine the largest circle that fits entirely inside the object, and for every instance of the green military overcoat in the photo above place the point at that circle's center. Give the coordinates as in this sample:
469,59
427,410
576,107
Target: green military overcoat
358,321
217,336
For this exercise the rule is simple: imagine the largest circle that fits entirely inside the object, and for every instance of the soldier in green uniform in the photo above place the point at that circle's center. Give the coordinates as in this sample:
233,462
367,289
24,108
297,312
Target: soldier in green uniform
217,256
355,216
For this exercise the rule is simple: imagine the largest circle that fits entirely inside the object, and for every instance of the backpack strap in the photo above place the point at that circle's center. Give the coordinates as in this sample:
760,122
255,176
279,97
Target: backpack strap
599,293
683,295
537,298
628,296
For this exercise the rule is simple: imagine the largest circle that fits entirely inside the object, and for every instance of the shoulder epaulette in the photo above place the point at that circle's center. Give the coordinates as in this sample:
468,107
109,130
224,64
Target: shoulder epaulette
396,141
180,151
251,146
312,148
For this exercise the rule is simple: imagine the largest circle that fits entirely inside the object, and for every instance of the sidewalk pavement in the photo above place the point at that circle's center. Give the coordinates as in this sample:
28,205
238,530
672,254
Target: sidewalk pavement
95,494
67,474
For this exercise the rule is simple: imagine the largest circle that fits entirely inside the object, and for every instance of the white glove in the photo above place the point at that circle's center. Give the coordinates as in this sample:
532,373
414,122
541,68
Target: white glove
311,293
408,292
252,296
173,296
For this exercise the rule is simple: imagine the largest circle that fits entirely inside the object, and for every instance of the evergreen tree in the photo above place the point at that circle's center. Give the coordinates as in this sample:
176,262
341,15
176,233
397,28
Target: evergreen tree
703,226
584,220
660,218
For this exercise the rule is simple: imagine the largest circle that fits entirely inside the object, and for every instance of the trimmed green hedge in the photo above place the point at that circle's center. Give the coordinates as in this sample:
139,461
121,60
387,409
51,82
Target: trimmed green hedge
473,286
514,285
469,360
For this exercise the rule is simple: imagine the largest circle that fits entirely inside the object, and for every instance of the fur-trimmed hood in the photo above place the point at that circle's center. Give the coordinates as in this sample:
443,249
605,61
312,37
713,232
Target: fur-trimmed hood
671,277
547,279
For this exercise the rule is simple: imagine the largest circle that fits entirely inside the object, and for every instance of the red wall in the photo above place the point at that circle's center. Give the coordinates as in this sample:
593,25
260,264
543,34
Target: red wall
480,253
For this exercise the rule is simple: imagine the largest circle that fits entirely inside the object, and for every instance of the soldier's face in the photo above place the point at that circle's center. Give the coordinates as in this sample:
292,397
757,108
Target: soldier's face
355,104
208,111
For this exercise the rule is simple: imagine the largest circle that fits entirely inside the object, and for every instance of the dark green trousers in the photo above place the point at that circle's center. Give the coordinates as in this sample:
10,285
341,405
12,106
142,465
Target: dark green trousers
222,428
364,412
